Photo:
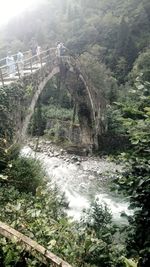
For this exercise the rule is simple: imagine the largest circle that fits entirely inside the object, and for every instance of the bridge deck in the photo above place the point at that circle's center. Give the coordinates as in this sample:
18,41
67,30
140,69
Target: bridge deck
26,71
29,65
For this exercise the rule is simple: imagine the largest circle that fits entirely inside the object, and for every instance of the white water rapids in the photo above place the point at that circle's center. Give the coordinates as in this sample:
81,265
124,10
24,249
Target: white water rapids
82,182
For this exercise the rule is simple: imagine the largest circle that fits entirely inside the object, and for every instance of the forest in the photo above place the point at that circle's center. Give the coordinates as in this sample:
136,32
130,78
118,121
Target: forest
111,40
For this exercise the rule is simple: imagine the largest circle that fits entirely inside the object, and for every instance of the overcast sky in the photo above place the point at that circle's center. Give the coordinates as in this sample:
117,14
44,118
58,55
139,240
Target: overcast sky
11,8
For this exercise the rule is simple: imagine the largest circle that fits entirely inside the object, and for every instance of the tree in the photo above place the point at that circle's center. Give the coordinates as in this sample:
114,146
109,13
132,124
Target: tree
136,181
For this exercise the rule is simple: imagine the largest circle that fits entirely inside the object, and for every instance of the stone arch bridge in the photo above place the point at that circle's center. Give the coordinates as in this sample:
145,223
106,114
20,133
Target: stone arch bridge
91,105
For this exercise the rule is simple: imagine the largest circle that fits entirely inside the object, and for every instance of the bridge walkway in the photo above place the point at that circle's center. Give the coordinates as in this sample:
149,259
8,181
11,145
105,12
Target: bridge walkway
31,64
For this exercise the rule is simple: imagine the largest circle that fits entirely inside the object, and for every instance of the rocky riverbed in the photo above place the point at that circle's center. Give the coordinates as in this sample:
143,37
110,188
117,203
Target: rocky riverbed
82,178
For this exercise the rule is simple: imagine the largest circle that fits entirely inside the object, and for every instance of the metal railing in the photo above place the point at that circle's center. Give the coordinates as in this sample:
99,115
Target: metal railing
28,65
3,60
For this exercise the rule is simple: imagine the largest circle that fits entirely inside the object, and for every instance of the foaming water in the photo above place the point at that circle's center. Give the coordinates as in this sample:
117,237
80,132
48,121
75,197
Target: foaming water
76,204
116,206
81,183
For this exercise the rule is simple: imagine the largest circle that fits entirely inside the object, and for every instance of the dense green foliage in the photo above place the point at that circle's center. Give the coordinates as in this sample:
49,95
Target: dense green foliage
25,173
7,153
10,98
42,218
110,39
135,182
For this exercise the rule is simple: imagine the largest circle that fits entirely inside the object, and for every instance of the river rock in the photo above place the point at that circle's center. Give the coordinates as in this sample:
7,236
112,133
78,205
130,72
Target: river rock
48,142
56,166
56,154
91,177
50,154
38,149
61,151
74,158
99,172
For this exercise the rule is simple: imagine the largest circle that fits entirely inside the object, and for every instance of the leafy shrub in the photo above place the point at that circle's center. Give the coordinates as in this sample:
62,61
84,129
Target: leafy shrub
25,174
102,247
114,124
135,182
57,112
142,65
12,100
42,218
36,216
38,122
7,153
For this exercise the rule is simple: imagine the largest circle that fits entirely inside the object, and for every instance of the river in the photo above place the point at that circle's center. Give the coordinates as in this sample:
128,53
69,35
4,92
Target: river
83,179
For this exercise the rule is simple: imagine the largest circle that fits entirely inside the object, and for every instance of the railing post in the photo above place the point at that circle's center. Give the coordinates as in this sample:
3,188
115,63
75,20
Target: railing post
18,70
41,60
31,65
1,74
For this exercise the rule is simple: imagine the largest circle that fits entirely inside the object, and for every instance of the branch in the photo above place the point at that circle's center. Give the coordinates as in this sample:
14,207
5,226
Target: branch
32,246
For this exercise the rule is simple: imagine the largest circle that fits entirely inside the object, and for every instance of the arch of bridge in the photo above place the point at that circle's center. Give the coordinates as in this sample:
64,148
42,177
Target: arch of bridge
91,105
